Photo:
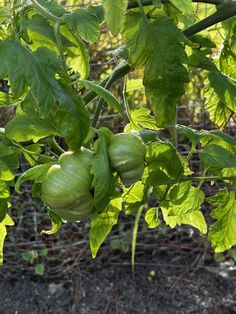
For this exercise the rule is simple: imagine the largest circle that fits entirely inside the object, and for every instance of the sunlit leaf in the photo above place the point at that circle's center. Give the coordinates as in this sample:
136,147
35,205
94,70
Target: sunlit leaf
3,232
83,24
105,94
114,14
151,218
104,180
222,232
102,224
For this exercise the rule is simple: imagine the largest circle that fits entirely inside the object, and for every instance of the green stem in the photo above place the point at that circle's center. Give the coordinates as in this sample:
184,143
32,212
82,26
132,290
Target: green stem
134,237
126,105
44,12
119,72
60,46
133,3
223,13
208,178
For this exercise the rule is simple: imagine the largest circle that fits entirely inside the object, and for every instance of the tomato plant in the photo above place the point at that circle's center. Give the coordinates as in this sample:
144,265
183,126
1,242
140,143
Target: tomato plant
94,174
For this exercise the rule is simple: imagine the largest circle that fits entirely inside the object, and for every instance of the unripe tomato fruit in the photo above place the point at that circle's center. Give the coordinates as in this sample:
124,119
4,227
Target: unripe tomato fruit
126,154
66,187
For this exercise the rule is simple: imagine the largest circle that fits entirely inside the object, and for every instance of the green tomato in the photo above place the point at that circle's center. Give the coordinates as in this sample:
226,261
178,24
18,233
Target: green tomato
126,154
66,187
81,209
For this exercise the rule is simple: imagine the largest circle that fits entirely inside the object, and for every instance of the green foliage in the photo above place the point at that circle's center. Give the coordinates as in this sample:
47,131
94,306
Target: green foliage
102,224
7,221
164,77
114,14
104,180
45,63
222,232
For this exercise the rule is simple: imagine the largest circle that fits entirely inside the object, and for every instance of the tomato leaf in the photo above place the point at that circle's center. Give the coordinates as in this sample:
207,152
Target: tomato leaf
141,119
7,221
36,174
114,14
222,233
186,210
102,224
24,70
8,162
150,47
215,156
220,93
24,128
151,218
104,180
55,221
50,6
157,3
161,168
184,6
83,24
105,94
4,190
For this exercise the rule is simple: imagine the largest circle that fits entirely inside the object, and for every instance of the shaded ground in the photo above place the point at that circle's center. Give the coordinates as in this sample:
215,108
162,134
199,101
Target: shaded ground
111,289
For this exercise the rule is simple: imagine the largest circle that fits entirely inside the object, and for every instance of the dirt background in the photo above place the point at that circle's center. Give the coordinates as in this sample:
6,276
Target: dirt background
165,282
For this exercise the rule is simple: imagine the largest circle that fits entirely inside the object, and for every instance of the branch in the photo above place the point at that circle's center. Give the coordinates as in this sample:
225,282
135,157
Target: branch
223,13
121,70
133,3
118,73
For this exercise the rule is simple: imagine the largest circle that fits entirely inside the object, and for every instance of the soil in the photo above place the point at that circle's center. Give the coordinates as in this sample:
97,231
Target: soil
160,285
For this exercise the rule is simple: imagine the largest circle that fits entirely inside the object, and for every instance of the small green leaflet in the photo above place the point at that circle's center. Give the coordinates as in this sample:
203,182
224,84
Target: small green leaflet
134,194
179,192
191,134
134,84
214,156
83,24
70,117
157,3
41,34
105,94
8,162
227,61
133,197
220,92
77,56
184,6
185,200
104,180
55,221
204,136
49,6
141,119
151,218
36,174
185,209
163,162
222,233
24,70
4,190
7,221
7,100
23,128
150,47
102,224
114,14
